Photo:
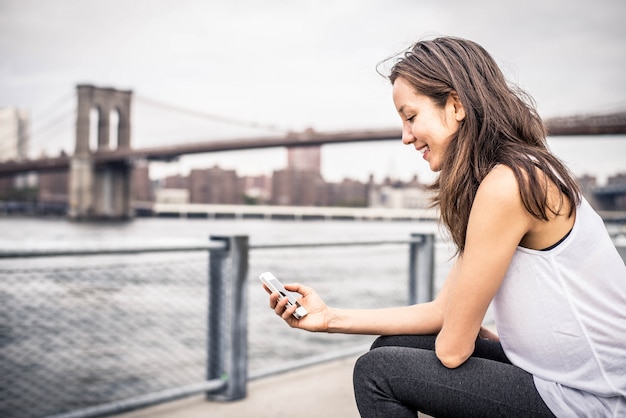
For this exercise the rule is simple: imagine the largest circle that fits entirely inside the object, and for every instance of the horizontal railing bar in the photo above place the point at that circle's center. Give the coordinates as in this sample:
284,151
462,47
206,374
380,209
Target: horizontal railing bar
211,245
308,361
145,400
332,244
61,252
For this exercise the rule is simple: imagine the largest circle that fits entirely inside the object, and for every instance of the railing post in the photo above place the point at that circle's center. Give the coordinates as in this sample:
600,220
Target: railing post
227,345
421,268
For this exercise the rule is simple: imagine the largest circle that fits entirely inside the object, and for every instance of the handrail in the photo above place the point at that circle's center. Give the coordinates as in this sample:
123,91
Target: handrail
60,252
332,244
208,246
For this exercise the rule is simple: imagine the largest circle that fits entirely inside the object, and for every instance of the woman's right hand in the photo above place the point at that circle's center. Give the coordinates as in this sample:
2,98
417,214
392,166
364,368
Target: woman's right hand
317,317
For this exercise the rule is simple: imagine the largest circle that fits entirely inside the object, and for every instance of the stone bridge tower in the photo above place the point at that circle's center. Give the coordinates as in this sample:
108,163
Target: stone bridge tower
101,191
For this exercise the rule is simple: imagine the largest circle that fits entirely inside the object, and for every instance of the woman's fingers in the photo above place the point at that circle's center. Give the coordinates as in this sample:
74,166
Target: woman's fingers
273,300
288,312
279,305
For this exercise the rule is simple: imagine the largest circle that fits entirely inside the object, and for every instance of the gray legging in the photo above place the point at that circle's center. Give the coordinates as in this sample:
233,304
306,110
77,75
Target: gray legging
401,375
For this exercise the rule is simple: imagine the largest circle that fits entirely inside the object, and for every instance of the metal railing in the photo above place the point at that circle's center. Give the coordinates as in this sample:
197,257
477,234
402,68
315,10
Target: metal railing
226,312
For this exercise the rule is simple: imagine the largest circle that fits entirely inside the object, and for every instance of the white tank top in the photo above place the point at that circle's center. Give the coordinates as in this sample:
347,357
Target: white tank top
561,316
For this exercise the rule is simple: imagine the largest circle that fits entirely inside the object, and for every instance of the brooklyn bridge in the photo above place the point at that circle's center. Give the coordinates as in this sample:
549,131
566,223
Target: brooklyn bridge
93,171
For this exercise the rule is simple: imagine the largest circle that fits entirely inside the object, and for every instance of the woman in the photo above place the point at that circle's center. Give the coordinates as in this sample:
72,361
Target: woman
525,240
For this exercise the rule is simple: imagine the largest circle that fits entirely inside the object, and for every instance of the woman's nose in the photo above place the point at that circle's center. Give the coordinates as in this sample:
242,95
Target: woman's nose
407,136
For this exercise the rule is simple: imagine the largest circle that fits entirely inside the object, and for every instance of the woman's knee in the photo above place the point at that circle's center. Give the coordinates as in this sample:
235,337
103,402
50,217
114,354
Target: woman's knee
363,368
380,342
367,369
425,342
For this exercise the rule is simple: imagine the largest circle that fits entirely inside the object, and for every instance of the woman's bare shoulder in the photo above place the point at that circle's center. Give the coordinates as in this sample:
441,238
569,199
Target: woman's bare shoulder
500,183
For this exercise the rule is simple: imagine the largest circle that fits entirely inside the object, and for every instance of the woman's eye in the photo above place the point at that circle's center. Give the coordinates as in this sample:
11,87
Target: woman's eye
410,119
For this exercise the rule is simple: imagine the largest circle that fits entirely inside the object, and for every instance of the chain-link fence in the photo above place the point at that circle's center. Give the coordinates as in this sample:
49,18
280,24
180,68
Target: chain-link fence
77,332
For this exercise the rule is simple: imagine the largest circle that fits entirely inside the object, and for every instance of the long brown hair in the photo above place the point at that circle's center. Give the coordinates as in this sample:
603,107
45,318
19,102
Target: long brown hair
501,126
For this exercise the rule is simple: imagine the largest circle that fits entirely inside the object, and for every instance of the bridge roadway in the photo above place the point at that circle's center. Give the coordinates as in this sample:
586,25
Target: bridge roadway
607,124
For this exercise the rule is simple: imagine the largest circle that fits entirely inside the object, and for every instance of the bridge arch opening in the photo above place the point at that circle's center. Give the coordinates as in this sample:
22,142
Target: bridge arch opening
114,131
94,121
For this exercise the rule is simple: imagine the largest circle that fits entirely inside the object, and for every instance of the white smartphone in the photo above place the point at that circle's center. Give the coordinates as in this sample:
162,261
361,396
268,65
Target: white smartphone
273,284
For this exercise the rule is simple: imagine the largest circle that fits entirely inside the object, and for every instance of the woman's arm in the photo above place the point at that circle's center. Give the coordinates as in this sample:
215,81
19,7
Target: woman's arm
498,221
424,318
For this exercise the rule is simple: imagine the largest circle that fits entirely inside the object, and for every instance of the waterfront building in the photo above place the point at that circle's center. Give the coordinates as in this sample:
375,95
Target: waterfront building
14,134
619,182
141,185
304,158
174,196
347,193
257,189
53,187
215,185
292,187
176,182
399,195
587,183
301,183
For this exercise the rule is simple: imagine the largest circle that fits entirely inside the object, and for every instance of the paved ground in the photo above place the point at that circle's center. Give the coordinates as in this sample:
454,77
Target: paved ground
322,391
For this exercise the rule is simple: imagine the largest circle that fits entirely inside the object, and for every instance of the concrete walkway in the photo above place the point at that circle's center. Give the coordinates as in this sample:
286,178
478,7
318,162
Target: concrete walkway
320,391
324,390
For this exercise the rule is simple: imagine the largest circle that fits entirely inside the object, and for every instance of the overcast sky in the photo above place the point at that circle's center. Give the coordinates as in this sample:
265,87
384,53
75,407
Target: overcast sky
295,64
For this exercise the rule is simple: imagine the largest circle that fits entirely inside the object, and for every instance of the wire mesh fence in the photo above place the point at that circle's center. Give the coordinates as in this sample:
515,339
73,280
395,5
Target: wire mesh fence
79,336
82,331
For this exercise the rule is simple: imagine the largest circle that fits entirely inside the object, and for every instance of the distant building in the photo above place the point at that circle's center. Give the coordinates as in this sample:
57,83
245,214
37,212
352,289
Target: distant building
610,197
618,182
617,179
53,186
301,183
14,143
257,189
348,193
177,196
141,185
14,134
297,188
215,185
304,158
176,182
398,195
587,184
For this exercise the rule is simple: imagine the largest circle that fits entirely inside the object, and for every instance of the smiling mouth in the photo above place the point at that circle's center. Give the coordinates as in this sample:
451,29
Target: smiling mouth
424,149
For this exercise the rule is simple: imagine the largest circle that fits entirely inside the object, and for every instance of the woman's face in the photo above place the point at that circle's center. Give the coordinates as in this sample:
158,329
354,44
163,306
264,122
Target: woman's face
428,127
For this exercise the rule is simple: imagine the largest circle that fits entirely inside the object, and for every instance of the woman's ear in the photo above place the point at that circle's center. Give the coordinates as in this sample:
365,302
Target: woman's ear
459,109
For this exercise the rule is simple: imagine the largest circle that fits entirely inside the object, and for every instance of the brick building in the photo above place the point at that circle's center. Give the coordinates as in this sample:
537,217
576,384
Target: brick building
304,158
176,182
141,184
215,185
257,189
348,193
53,186
292,187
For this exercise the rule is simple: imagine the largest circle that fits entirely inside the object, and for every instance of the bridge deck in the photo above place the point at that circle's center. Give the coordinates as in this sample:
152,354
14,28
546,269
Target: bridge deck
602,124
